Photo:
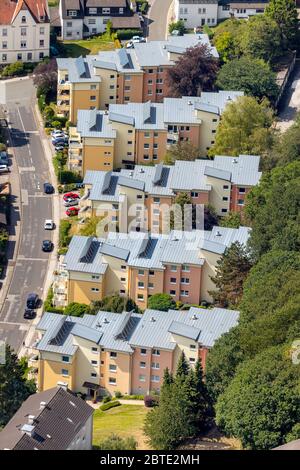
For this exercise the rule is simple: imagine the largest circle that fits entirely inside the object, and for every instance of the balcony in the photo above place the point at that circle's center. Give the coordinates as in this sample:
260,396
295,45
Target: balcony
172,138
60,285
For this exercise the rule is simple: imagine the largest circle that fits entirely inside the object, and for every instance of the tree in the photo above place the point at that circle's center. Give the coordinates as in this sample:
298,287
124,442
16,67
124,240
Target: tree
163,302
231,220
183,210
183,367
115,442
226,46
245,128
45,76
252,76
181,151
273,210
211,218
286,148
193,73
261,39
114,303
231,271
284,12
90,227
177,26
14,386
262,404
75,309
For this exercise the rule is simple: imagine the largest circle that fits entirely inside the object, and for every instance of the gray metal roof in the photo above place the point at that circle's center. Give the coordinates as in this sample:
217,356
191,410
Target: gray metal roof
220,238
93,123
217,173
131,183
187,331
141,115
244,169
114,251
95,265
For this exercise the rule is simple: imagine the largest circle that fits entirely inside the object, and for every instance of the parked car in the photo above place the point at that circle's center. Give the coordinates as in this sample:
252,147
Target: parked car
60,147
70,196
142,19
129,45
72,211
4,169
48,188
4,160
56,132
32,301
29,314
70,202
47,245
3,154
49,224
60,141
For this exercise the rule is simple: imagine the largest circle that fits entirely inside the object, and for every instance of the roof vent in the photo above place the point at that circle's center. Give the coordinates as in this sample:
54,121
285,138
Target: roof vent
234,160
229,98
98,325
190,102
174,238
48,435
218,233
142,170
105,320
31,419
152,319
131,173
63,385
194,317
28,429
43,405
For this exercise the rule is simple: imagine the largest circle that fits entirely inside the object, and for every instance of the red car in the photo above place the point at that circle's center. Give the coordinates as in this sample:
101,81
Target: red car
70,196
72,211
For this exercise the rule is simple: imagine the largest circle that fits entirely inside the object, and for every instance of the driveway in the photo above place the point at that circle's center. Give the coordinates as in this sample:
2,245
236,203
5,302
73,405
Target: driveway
28,265
158,19
290,104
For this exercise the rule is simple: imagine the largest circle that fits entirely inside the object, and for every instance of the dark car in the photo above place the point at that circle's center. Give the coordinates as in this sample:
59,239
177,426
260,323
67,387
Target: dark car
48,188
29,314
47,245
32,301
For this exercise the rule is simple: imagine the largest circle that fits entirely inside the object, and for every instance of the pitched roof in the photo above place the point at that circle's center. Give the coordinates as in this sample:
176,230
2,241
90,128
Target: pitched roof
10,9
54,426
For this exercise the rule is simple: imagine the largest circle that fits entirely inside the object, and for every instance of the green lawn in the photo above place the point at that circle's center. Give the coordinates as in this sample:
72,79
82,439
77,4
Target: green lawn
86,46
124,420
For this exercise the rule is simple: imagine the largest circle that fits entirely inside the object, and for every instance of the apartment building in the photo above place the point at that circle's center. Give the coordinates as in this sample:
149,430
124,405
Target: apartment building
120,76
24,31
197,13
138,199
144,131
83,18
138,264
54,419
126,352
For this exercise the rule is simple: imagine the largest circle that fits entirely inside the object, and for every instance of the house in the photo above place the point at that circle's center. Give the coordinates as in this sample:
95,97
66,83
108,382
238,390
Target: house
83,18
128,352
24,30
140,133
222,183
120,76
138,265
197,13
54,419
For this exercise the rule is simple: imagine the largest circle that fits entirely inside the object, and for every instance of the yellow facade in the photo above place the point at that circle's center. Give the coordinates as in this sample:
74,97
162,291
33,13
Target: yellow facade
97,155
82,288
50,371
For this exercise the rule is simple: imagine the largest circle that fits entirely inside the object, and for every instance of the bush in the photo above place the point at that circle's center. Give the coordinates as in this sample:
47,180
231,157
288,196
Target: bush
2,147
150,401
124,34
162,302
64,237
13,70
75,309
115,442
118,394
109,405
106,399
48,303
42,103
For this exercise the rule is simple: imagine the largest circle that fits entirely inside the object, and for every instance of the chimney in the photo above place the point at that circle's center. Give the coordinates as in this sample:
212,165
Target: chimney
28,429
63,385
43,405
31,419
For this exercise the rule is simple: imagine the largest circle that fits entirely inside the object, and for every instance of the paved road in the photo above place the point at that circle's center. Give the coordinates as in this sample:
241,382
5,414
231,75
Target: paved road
28,264
290,104
157,22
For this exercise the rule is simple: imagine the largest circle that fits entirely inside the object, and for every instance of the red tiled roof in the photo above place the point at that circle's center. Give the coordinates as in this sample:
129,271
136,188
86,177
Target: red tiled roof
9,9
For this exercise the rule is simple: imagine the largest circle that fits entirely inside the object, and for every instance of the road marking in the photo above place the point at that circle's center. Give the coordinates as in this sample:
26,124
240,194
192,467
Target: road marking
23,258
23,169
24,197
14,323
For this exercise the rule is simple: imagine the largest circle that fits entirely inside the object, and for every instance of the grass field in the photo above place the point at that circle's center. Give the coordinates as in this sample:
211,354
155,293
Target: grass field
124,420
87,46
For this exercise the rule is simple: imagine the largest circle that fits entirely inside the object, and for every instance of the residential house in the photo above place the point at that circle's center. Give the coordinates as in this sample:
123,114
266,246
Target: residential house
120,76
142,132
138,265
83,18
54,419
24,31
198,13
137,199
127,352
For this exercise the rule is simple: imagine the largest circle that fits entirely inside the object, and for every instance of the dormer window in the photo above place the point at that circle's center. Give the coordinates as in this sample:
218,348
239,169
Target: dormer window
42,18
23,19
72,13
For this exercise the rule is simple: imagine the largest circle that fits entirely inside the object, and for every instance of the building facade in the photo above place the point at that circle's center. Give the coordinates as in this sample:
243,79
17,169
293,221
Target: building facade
121,76
141,133
128,352
24,31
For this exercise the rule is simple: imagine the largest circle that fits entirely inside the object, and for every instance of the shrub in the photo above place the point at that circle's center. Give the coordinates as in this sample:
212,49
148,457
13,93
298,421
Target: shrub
75,309
124,34
13,70
118,394
109,405
150,401
64,238
48,303
42,103
115,442
2,147
106,399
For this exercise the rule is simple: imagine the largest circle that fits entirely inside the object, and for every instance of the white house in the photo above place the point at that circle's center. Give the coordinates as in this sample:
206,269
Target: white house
24,30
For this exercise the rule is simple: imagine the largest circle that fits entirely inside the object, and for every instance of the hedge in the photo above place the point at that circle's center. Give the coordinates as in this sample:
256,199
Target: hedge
109,405
124,34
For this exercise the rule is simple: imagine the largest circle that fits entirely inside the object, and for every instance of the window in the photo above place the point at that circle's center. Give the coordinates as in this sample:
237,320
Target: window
23,31
224,211
160,70
127,78
65,372
139,196
41,55
225,186
123,267
147,134
194,194
156,352
141,285
126,98
150,82
65,358
130,131
72,13
141,272
242,190
159,91
94,363
42,31
113,354
185,280
94,289
4,32
93,374
142,365
241,202
173,269
29,56
93,11
185,268
123,279
192,359
23,44
192,346
112,368
140,297
150,92
127,88
106,11
225,198
154,365
23,19
155,378
94,276
69,24
19,57
93,98
121,10
151,285
173,280
146,146
156,200
4,57
4,45
112,380
155,146
122,291
142,378
94,349
184,293
150,70
151,273
143,351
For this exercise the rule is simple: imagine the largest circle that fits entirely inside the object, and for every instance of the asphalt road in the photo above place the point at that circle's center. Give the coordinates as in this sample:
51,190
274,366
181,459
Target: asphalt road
157,19
28,263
